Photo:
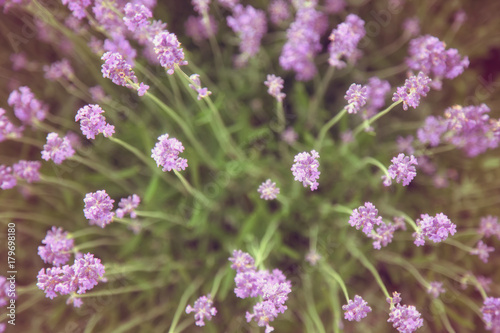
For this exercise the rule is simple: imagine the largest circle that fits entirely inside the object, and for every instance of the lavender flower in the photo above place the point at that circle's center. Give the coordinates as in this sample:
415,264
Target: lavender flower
279,11
98,207
405,145
200,6
356,309
356,96
7,180
313,257
377,89
334,6
26,107
136,16
344,41
77,7
405,319
268,190
202,309
117,69
305,169
411,26
435,228
57,149
58,247
402,168
229,4
482,250
27,170
166,153
92,122
383,235
491,313
8,129
431,131
59,70
5,292
435,288
128,206
198,29
242,261
168,51
143,88
275,84
365,217
117,43
489,226
202,92
414,88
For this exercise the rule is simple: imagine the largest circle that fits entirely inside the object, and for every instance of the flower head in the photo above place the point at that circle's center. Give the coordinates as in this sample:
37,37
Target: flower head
435,228
344,41
383,235
377,89
117,69
26,107
356,96
431,131
92,122
128,206
365,217
435,288
356,309
268,190
136,16
77,7
7,179
203,309
275,84
202,92
279,11
491,313
58,247
168,50
405,318
482,250
242,261
59,69
402,168
27,170
7,128
414,88
489,226
98,208
57,149
305,169
166,153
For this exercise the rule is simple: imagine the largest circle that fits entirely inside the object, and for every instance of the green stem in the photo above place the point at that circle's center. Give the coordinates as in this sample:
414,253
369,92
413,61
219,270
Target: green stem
318,96
330,271
182,304
195,193
459,245
377,163
327,126
217,281
370,121
63,182
395,259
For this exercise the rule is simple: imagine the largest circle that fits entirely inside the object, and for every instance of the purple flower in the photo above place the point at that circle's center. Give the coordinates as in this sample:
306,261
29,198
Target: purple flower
395,299
202,92
136,16
8,129
57,149
482,250
49,280
268,190
313,257
77,7
98,94
365,217
250,25
117,43
5,292
229,4
128,206
279,11
109,17
202,309
344,41
489,226
26,107
27,170
59,69
334,6
383,235
289,135
431,131
168,51
7,179
58,247
242,261
402,168
377,90
411,26
491,313
248,283
275,84
435,228
305,169
435,288
166,153
200,6
414,88
117,69
92,122
143,88
263,313
356,309
356,96
405,319
197,29
98,208
405,144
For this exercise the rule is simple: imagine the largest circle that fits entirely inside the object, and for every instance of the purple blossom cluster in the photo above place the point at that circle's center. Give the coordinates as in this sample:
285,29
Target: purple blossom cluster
365,217
356,309
77,7
203,309
7,128
430,133
482,250
405,318
334,6
120,72
57,149
435,288
272,287
250,25
26,107
305,169
376,91
403,168
303,43
27,170
202,92
428,54
136,16
58,247
85,273
59,70
491,313
489,226
200,6
382,236
405,145
275,84
414,88
435,228
168,50
128,205
344,41
197,28
411,26
166,153
6,293
98,208
7,179
92,122
356,96
268,190
279,11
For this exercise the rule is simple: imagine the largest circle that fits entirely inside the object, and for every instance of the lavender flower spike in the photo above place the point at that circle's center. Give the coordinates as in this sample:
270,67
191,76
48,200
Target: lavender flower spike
275,84
166,154
305,169
57,149
168,51
98,206
117,69
356,96
405,318
435,228
7,128
26,107
128,206
414,88
356,309
365,217
202,309
268,190
92,122
58,247
402,169
491,313
7,179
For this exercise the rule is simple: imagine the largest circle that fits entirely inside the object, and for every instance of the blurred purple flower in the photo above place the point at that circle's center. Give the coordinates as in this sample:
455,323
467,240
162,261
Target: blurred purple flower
136,16
57,149
305,169
128,206
411,26
7,128
202,92
27,170
26,107
334,6
166,154
405,145
279,11
356,96
77,7
98,208
431,131
200,6
197,29
344,41
491,313
275,84
382,235
435,288
482,250
268,190
58,247
489,226
7,179
242,261
377,89
59,69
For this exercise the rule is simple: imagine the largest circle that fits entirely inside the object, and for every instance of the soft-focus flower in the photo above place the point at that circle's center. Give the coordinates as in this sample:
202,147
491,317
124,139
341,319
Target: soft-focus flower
491,313
435,228
242,261
356,96
482,250
203,309
356,309
77,7
268,190
27,170
402,168
383,235
405,318
98,208
7,128
7,179
202,92
143,88
305,169
57,149
279,11
128,206
344,41
414,88
59,69
166,154
377,89
313,257
435,288
136,16
334,6
26,107
92,122
431,131
365,217
289,135
405,145
200,6
117,43
168,50
275,84
489,226
411,26
58,247
197,28
117,69
229,4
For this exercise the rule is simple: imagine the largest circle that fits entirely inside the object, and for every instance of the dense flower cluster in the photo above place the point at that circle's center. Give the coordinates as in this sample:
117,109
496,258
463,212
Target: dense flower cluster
128,205
59,70
491,313
98,208
27,170
120,72
279,11
489,226
57,149
168,50
166,154
77,7
203,309
383,235
376,91
136,16
356,96
26,107
435,228
482,251
268,190
403,168
356,309
275,84
7,179
365,217
344,41
305,169
431,131
414,88
92,122
58,247
405,318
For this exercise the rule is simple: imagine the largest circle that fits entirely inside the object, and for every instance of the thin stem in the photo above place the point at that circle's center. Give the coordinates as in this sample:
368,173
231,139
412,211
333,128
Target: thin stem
330,271
63,182
318,96
182,304
327,126
370,121
377,163
459,245
195,193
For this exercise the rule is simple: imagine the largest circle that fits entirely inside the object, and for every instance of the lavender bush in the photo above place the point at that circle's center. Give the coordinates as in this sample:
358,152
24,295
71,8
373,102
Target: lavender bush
264,166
